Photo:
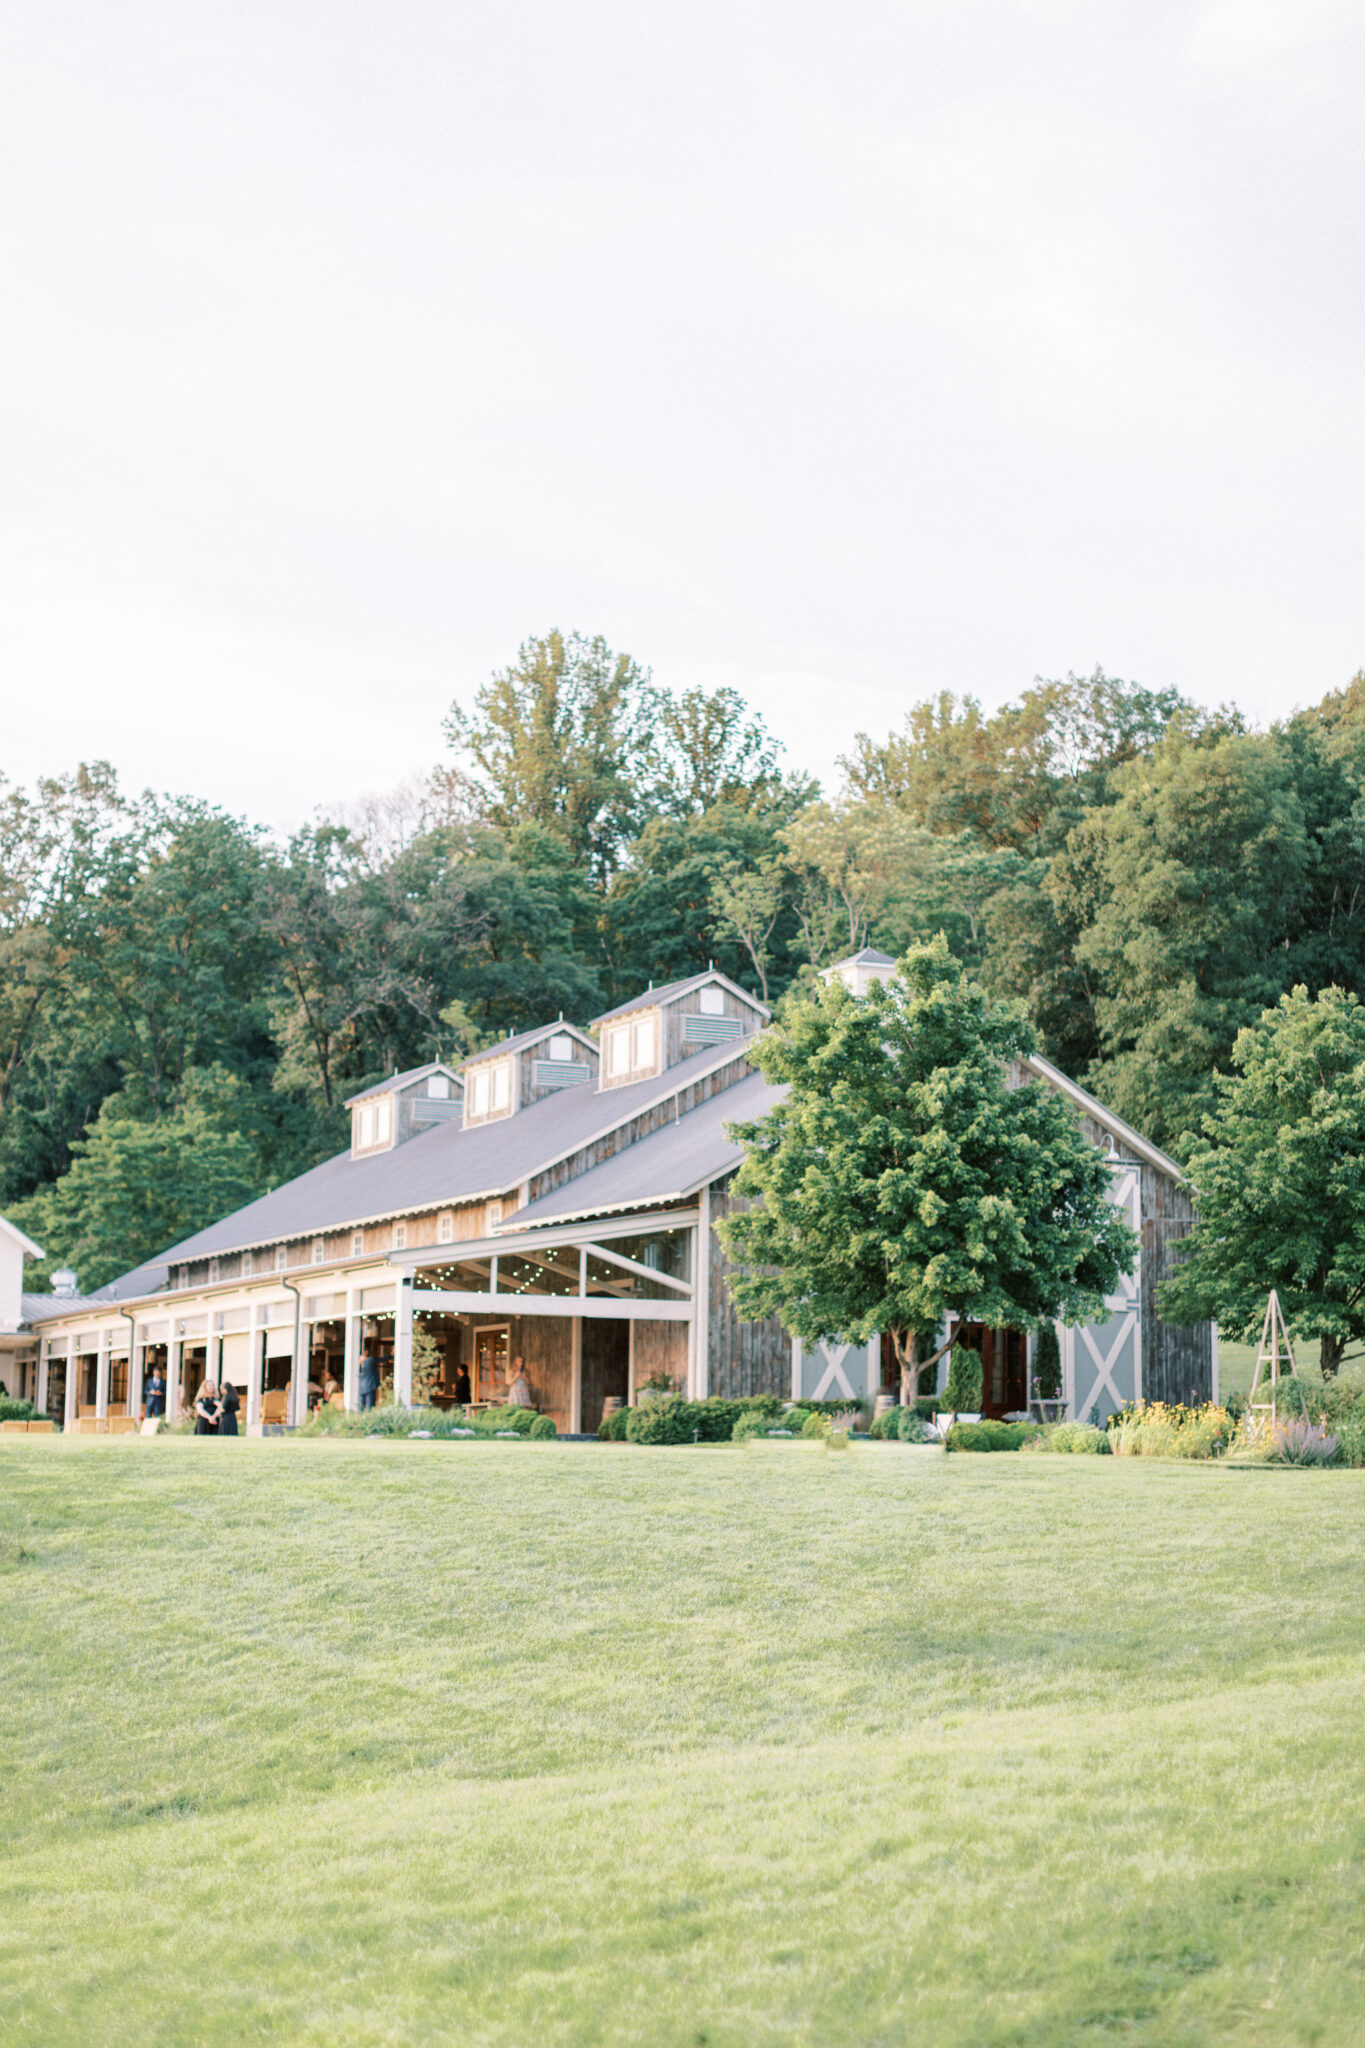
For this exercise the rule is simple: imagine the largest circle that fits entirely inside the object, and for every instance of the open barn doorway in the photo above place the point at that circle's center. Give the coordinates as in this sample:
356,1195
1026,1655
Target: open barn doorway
606,1366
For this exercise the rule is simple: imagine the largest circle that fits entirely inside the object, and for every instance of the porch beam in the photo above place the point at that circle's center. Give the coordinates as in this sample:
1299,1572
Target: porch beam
498,1306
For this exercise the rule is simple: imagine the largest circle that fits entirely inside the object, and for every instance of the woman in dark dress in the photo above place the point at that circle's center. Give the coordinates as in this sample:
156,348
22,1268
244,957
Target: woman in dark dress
229,1403
206,1410
462,1393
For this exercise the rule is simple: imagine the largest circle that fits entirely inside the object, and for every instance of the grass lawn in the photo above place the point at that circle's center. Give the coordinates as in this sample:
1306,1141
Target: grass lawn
345,1743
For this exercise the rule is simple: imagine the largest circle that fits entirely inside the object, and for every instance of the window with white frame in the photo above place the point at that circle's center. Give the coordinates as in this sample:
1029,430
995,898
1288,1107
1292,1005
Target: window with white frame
711,1002
478,1094
246,1265
281,1259
317,1251
618,1050
357,1243
445,1229
400,1237
502,1084
642,1044
215,1271
383,1121
438,1088
364,1127
494,1214
560,1047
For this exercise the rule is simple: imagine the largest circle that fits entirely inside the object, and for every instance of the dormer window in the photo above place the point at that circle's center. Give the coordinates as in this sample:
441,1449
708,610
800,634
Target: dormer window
383,1121
560,1047
364,1135
438,1088
317,1251
491,1089
711,1002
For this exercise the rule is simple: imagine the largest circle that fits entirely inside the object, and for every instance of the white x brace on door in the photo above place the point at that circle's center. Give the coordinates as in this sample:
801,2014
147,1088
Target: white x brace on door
1102,1362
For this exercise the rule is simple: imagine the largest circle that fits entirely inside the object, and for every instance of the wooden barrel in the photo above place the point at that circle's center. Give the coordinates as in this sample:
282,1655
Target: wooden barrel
885,1403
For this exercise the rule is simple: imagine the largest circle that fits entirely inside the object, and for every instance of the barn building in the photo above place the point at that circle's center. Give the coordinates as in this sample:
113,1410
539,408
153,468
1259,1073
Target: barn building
554,1200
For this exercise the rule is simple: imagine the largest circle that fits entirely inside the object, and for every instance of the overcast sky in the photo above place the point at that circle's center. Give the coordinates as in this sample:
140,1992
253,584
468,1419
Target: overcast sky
842,352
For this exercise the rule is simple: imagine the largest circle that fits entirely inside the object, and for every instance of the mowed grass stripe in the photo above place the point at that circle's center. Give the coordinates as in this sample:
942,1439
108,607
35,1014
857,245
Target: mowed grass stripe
775,1746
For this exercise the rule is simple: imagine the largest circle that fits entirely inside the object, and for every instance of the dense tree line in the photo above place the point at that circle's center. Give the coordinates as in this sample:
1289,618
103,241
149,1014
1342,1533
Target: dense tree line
185,1003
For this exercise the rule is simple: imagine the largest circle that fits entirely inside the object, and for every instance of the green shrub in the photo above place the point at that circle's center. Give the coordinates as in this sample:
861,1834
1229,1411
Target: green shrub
612,1428
990,1436
963,1391
927,1406
815,1425
885,1426
914,1428
543,1428
12,1409
662,1422
1047,1365
493,1420
1074,1439
1350,1435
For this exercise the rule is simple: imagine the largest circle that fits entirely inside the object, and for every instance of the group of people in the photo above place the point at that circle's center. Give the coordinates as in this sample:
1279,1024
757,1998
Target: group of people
215,1409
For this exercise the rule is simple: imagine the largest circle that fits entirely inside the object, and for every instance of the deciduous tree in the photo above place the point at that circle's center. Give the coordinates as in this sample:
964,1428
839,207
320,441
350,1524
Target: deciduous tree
901,1178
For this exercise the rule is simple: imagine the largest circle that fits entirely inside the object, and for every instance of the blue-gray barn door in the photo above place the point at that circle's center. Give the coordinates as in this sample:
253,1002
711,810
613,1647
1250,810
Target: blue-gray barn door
1103,1360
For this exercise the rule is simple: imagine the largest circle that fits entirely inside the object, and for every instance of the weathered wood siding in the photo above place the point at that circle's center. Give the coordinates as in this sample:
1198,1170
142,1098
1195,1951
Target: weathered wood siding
545,1343
676,1013
659,1347
745,1358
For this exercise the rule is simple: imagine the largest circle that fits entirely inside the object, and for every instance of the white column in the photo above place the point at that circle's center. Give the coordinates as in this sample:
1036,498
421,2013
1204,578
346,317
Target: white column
576,1379
175,1366
630,1363
255,1365
350,1371
1214,1335
402,1346
701,1301
72,1374
298,1384
137,1371
102,1375
40,1398
874,1367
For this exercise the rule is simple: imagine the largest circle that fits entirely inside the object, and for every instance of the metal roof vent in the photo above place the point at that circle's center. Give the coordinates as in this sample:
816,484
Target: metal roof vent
64,1284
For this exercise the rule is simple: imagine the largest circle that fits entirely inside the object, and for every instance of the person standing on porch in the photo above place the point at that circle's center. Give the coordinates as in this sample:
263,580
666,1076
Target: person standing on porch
229,1403
154,1402
369,1373
518,1386
206,1410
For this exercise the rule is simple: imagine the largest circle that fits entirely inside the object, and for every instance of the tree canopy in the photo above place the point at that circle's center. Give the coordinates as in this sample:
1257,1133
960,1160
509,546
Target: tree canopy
1279,1177
902,1178
1145,876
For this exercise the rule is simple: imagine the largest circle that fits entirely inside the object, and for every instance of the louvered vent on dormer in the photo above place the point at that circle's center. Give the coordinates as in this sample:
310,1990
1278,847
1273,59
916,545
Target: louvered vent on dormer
559,1073
698,1030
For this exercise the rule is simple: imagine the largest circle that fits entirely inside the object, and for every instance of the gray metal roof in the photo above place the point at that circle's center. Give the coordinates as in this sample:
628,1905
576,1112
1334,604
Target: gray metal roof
869,957
46,1308
669,991
445,1164
667,1165
405,1080
521,1039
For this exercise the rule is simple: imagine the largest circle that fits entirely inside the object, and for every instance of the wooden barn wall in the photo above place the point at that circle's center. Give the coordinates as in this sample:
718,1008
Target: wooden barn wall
652,1119
660,1347
1177,1364
745,1358
546,1344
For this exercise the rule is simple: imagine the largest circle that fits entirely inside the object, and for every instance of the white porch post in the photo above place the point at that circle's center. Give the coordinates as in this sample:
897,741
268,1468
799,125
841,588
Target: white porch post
402,1346
73,1365
175,1366
630,1362
798,1354
102,1376
1214,1339
40,1398
255,1364
701,1300
350,1371
303,1357
576,1378
137,1370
